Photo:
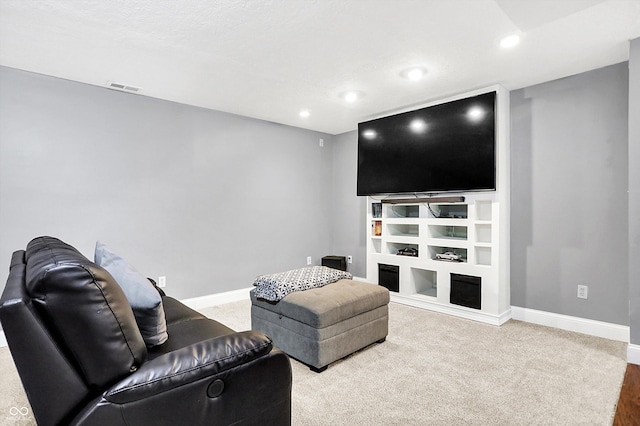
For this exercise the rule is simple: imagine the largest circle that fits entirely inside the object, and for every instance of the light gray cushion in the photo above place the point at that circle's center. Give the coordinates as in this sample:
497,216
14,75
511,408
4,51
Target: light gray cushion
145,300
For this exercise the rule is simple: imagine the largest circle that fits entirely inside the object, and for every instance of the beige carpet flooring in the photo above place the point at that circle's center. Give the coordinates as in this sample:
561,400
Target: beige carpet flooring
435,369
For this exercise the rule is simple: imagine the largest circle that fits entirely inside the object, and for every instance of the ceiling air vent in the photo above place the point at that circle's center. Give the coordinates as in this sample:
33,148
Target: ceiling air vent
123,87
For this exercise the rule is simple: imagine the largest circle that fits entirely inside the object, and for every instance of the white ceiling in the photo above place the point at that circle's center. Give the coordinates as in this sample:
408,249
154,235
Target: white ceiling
269,59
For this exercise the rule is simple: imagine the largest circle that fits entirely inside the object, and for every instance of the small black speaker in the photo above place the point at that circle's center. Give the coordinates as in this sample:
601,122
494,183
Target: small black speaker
335,262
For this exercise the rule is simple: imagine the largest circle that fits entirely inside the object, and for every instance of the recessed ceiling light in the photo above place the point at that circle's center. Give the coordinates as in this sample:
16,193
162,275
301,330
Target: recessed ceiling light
414,74
352,96
304,113
510,41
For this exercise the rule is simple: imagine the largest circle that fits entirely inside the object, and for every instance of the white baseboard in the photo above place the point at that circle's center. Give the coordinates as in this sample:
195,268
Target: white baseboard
217,299
565,322
633,354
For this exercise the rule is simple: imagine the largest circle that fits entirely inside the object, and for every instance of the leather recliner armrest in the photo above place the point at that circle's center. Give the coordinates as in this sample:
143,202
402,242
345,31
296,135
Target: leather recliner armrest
189,364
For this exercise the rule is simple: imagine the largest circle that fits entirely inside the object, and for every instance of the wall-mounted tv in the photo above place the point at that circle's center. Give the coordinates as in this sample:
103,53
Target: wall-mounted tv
448,147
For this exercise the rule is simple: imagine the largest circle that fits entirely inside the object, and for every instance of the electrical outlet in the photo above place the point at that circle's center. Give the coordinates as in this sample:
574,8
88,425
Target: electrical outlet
321,142
162,281
349,259
583,292
308,260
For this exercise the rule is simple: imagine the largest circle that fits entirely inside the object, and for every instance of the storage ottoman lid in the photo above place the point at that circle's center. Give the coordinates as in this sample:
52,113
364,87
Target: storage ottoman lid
328,305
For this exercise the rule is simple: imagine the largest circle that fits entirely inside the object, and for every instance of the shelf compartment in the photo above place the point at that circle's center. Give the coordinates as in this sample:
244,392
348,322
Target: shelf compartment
449,211
403,230
484,210
376,210
424,282
448,232
402,240
450,244
401,211
376,245
376,228
433,250
483,255
393,248
483,233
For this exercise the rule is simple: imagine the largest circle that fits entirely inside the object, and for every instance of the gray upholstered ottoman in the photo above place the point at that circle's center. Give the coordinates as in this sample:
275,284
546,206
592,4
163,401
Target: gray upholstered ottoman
321,325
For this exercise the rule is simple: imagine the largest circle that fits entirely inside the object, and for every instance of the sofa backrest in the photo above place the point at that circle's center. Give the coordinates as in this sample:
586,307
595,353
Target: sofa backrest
85,310
44,368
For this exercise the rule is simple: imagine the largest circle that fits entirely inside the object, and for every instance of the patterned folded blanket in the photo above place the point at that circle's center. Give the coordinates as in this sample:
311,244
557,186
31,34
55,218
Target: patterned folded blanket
274,287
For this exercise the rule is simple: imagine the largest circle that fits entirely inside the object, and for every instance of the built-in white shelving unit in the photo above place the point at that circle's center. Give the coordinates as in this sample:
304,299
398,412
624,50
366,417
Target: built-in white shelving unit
475,228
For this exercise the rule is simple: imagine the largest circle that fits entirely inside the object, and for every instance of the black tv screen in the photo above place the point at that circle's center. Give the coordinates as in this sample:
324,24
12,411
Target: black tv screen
449,147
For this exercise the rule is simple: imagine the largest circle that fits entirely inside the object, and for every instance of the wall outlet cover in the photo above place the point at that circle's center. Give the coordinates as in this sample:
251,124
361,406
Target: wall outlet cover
583,292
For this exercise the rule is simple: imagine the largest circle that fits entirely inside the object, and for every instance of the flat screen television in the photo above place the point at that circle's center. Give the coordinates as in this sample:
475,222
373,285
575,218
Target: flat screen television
448,147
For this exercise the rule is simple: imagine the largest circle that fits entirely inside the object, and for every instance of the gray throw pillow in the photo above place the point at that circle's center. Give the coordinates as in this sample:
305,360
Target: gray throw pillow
144,299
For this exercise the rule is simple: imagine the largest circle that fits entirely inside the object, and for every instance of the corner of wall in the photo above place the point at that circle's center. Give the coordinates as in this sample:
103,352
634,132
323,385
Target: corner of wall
633,354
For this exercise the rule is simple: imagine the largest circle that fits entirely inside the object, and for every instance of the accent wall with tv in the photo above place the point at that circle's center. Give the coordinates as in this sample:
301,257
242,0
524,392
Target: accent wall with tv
440,148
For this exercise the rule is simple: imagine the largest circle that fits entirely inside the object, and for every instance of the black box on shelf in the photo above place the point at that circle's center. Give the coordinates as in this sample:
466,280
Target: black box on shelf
335,262
466,291
389,276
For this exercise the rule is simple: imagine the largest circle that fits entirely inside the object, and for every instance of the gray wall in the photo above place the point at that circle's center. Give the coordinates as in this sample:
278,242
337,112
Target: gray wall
569,195
634,191
208,199
349,210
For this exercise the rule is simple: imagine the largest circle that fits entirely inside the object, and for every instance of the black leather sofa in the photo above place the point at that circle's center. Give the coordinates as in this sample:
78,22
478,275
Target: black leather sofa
82,360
